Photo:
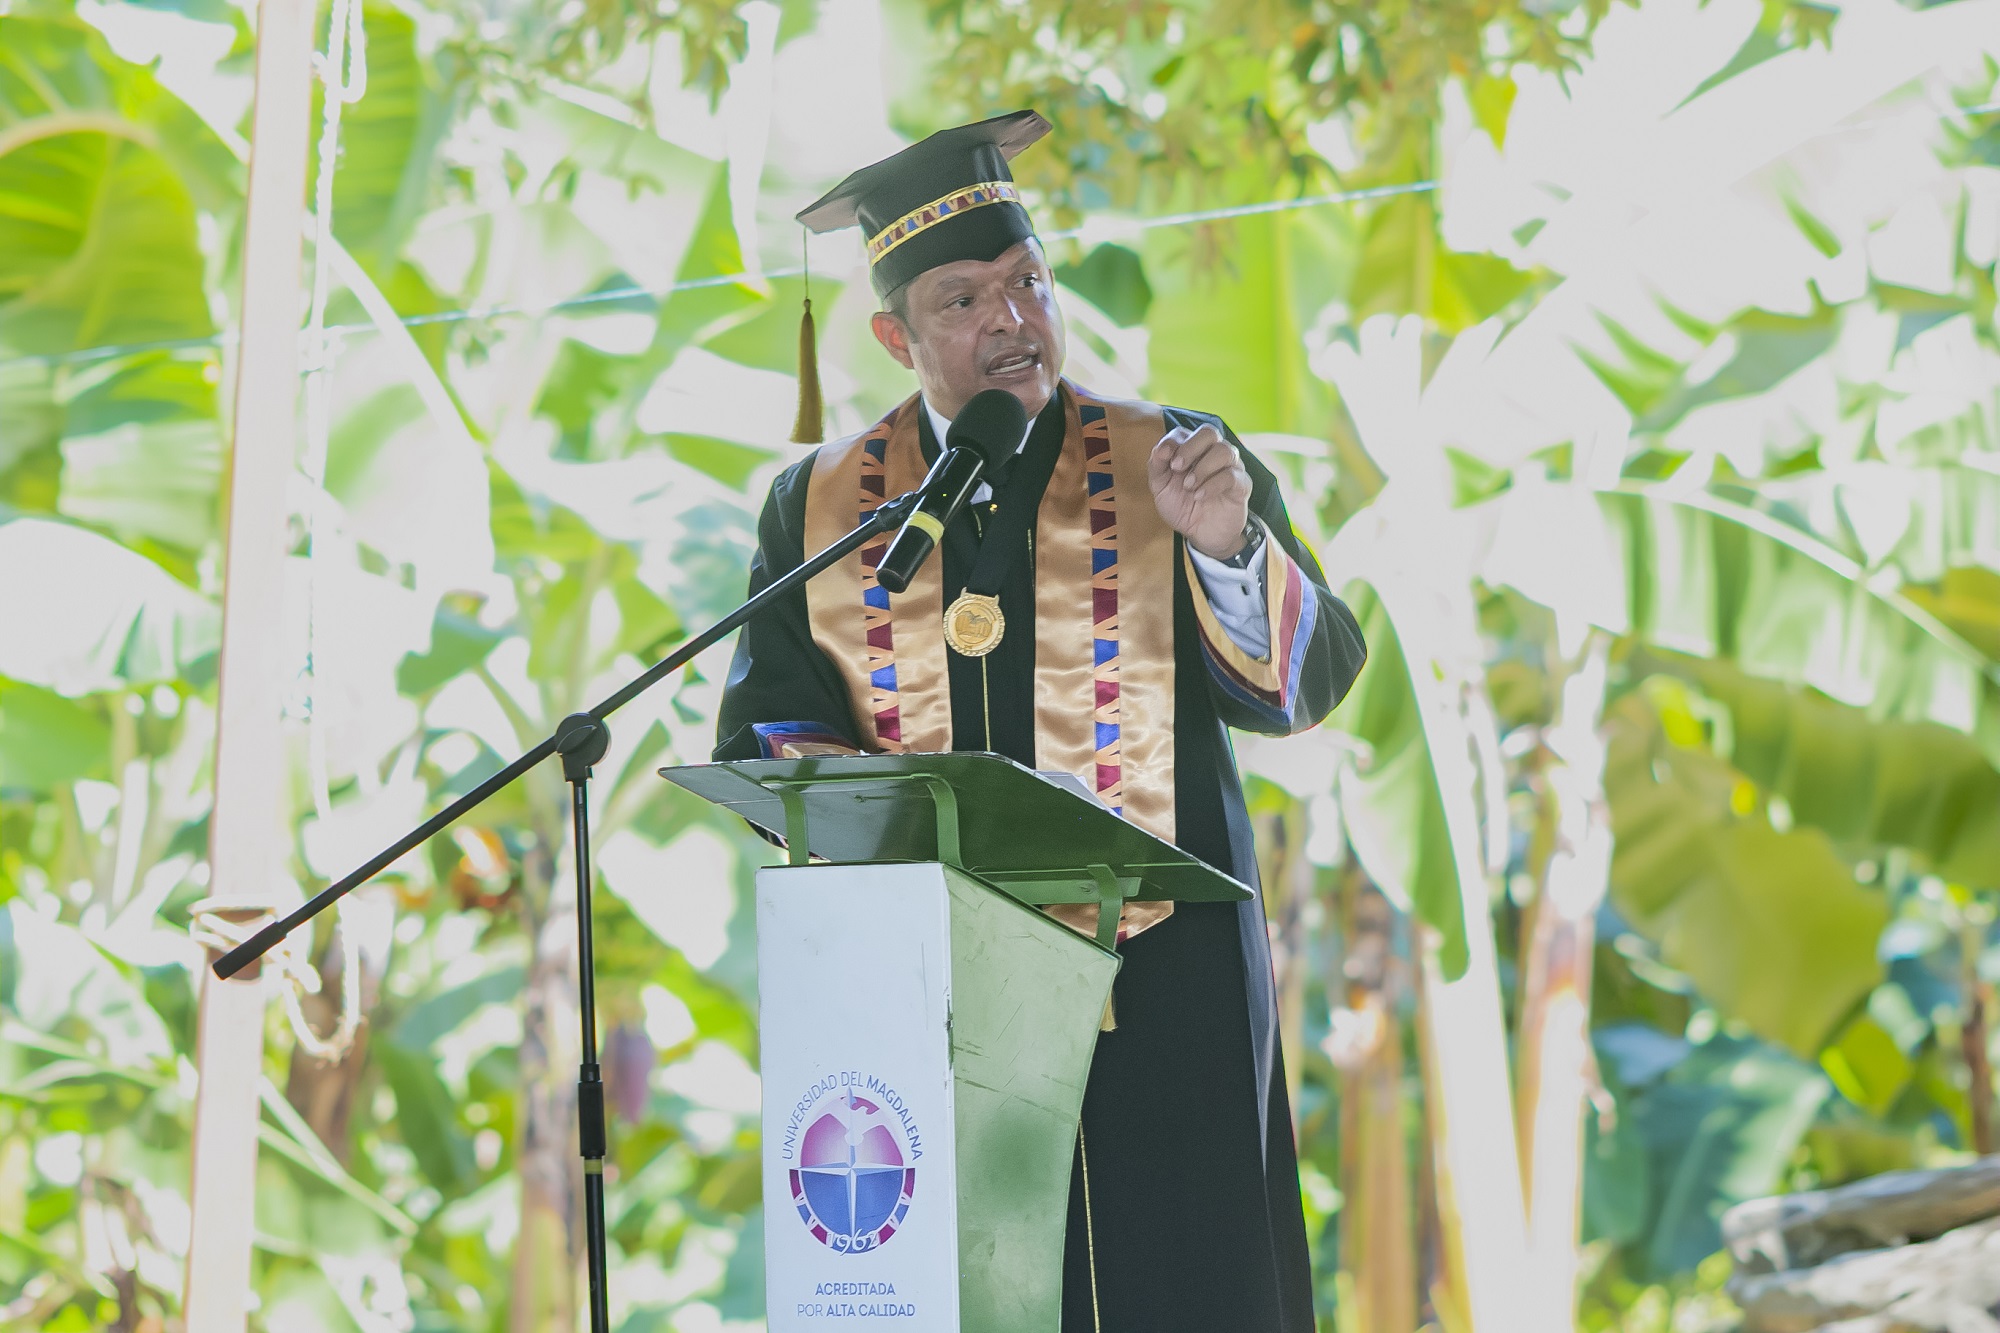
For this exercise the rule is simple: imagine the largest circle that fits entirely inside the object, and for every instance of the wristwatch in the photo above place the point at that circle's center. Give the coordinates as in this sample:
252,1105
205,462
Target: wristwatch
1253,542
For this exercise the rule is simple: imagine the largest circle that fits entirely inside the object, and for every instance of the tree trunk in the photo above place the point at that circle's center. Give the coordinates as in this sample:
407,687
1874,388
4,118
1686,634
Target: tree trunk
324,1090
1481,1260
1952,1282
248,822
548,1280
1434,1288
1973,1036
1463,1036
1378,1259
1288,880
1555,1071
1801,1230
544,1288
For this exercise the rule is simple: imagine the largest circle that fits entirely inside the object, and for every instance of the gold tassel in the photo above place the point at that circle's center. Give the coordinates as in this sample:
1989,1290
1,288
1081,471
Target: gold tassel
810,427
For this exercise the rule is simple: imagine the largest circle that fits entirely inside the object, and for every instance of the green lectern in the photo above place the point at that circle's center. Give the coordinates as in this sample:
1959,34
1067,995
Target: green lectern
926,1033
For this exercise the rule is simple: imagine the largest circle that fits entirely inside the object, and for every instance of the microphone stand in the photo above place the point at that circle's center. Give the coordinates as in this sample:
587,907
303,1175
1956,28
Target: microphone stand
582,740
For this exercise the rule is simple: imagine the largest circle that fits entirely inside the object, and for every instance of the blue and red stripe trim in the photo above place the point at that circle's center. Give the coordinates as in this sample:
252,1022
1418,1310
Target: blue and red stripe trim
1270,686
881,633
773,737
1102,486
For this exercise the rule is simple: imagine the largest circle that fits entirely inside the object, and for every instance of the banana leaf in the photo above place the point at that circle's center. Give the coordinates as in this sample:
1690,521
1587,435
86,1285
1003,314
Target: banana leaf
388,142
1867,783
1390,802
1770,926
1714,1129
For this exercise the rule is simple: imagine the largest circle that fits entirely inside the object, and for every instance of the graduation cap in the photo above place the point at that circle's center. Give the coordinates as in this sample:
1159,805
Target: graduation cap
947,198
943,199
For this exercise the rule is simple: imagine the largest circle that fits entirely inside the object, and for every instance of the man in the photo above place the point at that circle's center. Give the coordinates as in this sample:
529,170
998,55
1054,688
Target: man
1150,594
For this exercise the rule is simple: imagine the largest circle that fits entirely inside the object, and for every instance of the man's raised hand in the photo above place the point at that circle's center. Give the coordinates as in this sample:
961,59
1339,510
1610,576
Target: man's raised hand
1201,489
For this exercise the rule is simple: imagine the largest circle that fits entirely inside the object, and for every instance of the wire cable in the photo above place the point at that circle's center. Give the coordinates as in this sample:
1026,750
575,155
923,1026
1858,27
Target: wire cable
611,295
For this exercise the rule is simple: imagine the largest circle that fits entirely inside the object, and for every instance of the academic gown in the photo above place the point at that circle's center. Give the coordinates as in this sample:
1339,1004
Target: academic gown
1194,1222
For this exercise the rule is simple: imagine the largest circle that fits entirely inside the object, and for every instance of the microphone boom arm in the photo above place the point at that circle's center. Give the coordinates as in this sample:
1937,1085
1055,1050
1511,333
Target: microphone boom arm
939,497
883,519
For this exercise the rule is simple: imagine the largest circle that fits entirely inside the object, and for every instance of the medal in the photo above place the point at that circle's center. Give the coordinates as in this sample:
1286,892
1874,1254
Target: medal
973,625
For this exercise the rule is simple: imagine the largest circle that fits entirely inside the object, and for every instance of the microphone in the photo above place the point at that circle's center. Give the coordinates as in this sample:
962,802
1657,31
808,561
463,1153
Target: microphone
987,428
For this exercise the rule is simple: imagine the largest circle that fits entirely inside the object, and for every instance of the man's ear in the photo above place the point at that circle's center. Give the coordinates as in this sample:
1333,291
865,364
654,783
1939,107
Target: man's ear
894,337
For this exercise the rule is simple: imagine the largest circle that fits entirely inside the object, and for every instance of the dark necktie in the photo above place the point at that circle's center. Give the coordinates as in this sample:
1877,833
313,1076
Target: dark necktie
999,471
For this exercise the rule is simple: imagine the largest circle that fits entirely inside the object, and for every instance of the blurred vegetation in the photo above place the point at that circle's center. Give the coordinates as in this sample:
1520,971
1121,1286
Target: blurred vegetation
1159,104
1759,479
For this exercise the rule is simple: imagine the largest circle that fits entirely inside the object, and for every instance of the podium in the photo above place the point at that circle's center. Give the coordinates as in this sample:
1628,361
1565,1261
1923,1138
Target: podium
926,1034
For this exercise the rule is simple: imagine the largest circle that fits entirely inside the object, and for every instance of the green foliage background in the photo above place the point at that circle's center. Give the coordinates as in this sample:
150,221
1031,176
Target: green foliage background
522,501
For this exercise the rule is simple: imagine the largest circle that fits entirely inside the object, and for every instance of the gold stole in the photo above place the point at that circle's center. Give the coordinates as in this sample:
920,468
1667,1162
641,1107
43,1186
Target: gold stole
1104,681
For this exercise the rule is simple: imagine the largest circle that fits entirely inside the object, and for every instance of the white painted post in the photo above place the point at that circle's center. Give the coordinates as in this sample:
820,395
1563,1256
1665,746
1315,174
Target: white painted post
247,828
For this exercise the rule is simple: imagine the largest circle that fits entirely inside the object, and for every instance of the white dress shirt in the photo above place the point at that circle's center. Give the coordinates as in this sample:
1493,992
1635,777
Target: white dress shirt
1235,595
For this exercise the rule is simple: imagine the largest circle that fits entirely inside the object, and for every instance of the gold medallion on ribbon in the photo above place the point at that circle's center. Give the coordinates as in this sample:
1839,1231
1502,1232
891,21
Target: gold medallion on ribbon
974,625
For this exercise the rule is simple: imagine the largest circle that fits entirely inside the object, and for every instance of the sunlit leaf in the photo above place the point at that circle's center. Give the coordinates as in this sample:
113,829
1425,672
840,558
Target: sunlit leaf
733,1186
154,479
1866,782
1227,346
437,1016
46,739
97,246
1112,278
1474,287
388,141
1395,818
103,614
646,623
1771,927
525,528
584,382
1396,272
1967,599
557,639
714,299
145,388
1769,349
58,74
1492,99
1641,377
769,338
1710,578
30,417
426,1117
1718,1130
728,462
1867,1066
719,1013
66,986
458,643
285,1132
1758,47
1813,229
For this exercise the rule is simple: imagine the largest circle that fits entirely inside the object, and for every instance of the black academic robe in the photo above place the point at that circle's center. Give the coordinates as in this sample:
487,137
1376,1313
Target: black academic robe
1195,1224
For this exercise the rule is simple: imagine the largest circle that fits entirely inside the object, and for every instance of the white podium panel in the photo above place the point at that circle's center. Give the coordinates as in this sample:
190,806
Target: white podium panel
860,1194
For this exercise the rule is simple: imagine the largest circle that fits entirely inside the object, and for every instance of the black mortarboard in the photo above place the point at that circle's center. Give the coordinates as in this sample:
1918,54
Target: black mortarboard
947,198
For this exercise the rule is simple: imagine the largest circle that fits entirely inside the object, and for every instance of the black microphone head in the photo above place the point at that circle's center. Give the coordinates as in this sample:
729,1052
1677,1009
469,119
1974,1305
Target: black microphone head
992,423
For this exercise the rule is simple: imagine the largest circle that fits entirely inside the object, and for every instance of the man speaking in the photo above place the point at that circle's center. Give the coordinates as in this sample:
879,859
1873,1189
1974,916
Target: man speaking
1124,587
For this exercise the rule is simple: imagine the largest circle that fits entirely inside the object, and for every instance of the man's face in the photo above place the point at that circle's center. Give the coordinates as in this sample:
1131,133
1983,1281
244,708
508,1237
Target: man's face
972,326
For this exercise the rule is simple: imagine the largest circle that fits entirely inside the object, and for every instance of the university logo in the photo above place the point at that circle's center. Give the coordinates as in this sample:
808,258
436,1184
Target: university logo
854,1147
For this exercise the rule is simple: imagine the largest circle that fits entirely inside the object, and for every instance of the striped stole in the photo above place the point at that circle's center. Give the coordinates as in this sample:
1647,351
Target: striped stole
1104,587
